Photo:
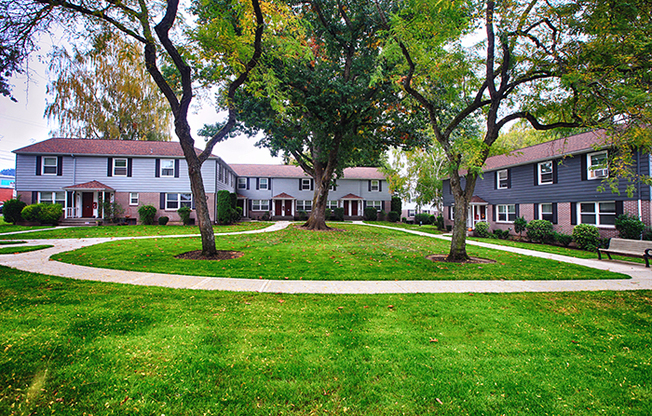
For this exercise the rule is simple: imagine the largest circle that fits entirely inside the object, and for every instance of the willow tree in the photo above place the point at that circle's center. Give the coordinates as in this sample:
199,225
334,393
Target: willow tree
319,102
475,67
102,90
170,56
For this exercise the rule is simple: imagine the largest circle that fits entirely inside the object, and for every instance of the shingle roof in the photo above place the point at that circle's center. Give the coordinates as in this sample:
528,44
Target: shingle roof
105,147
283,195
94,185
290,171
351,196
556,148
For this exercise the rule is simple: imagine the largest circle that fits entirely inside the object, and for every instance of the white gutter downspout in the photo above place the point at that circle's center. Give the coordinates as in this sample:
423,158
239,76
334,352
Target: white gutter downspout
638,173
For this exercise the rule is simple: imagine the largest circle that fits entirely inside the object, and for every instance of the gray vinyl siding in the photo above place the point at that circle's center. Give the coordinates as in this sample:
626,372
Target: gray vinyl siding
27,180
290,186
569,187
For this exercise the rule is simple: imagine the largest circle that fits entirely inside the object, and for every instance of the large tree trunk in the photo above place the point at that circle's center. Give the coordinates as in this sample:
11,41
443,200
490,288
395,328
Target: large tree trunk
323,177
462,197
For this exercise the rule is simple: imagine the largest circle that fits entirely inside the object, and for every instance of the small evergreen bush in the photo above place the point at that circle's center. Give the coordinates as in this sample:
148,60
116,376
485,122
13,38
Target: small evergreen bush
393,216
338,213
629,227
12,209
328,214
482,230
647,234
422,219
501,234
147,213
31,212
370,214
184,214
382,216
236,214
50,214
587,237
439,222
163,220
540,231
563,239
303,215
396,204
223,206
520,225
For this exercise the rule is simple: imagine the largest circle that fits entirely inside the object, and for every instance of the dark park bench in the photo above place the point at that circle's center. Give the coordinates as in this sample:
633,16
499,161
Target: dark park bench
625,247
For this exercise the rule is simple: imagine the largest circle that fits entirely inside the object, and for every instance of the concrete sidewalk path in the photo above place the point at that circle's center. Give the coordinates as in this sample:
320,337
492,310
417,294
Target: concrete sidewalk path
40,262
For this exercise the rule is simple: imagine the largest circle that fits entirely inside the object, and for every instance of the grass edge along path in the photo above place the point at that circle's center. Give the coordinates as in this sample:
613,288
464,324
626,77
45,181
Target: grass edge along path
74,347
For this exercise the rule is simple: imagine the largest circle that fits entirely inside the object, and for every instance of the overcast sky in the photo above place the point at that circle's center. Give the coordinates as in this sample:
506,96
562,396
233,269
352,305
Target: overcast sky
22,124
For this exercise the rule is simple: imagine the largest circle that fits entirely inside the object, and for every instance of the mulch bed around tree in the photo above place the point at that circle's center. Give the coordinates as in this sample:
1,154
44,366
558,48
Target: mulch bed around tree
472,260
220,255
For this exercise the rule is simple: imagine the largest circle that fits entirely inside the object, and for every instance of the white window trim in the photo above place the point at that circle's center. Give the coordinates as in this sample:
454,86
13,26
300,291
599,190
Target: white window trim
498,179
131,200
590,174
541,209
242,183
330,204
540,181
596,212
178,200
375,185
374,203
305,184
507,212
260,184
301,205
56,165
126,166
161,171
259,201
53,199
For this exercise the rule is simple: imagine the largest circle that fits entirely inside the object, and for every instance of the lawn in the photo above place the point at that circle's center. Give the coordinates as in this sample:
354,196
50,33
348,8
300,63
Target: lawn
131,231
22,249
430,229
75,347
355,253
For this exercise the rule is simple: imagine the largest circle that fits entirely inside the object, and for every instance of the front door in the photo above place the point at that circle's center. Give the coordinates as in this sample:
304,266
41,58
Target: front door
278,207
346,207
87,204
354,208
288,207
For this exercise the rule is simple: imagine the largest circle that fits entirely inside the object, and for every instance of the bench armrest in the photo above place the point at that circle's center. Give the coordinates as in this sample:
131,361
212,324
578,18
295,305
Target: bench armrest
647,252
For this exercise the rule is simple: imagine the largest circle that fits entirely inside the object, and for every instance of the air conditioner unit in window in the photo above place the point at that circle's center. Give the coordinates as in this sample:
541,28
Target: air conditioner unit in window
601,173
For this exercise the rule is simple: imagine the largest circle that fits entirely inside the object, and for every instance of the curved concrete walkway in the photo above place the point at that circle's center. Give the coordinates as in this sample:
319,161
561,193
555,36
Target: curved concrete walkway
40,262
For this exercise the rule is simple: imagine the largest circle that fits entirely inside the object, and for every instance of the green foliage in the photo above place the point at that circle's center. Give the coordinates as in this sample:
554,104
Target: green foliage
393,216
31,212
416,174
439,222
147,214
423,218
236,214
501,234
482,229
563,239
184,214
587,237
163,220
12,209
224,214
112,211
370,214
338,213
302,215
520,225
629,226
396,204
647,234
329,213
50,214
540,231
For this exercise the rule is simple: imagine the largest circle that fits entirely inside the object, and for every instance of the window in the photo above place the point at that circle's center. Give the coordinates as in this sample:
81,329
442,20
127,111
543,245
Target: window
167,167
333,186
597,165
598,213
260,205
375,186
263,183
502,179
545,212
133,198
331,205
375,204
119,167
176,201
305,184
242,183
412,212
49,165
52,198
506,213
304,206
545,173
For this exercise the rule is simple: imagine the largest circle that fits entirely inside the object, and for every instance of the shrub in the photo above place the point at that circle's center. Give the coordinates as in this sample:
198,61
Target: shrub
328,214
540,231
520,225
302,215
223,206
393,216
404,220
236,214
382,216
112,211
370,214
439,222
31,212
647,234
422,219
50,214
147,213
338,213
482,229
501,234
163,220
396,204
629,227
587,237
184,214
12,209
563,239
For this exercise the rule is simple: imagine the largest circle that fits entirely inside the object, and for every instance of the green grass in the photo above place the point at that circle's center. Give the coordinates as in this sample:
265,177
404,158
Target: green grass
74,347
22,249
4,243
357,253
135,231
10,228
430,229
